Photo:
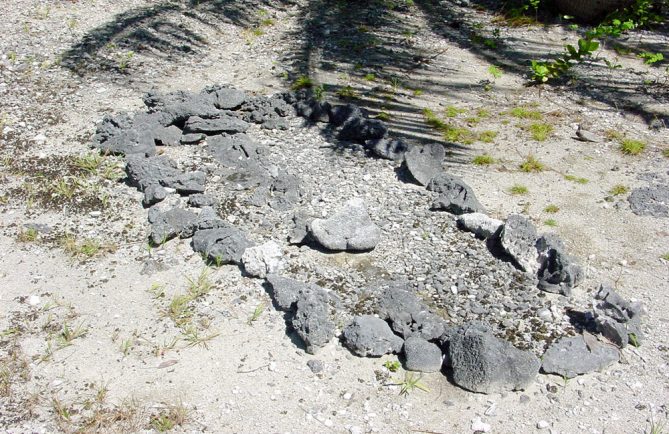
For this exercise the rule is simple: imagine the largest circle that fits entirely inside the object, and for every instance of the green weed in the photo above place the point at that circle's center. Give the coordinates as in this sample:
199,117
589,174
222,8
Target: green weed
552,209
487,136
302,82
526,113
452,111
531,164
550,222
495,71
540,131
618,189
392,365
256,313
576,179
632,147
518,189
410,383
483,160
347,92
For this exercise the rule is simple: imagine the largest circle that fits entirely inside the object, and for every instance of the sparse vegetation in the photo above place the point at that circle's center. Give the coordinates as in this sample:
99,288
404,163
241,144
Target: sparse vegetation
487,136
483,160
452,111
169,418
576,179
665,256
524,112
410,383
256,313
550,222
632,147
618,189
392,365
540,131
302,82
28,235
347,92
551,209
518,189
531,164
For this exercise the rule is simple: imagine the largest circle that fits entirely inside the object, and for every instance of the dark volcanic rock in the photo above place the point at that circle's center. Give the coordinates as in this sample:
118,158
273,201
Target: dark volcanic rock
390,149
285,291
570,356
237,150
284,192
408,316
483,363
349,229
167,136
312,320
222,124
118,135
360,129
160,170
651,201
227,98
369,336
179,106
172,223
617,319
455,196
340,114
192,139
424,163
224,245
421,355
558,271
153,194
201,200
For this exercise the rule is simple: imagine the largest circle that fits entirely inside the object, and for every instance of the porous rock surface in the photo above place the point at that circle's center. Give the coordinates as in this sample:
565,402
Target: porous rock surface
570,356
349,229
369,336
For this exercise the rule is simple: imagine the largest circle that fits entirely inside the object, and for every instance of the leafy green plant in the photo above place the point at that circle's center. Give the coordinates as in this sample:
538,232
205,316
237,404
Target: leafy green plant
483,160
124,59
495,71
531,164
392,365
518,189
370,77
453,111
256,313
302,82
410,383
618,189
634,340
651,58
27,236
384,116
632,147
540,131
550,222
524,112
552,209
487,136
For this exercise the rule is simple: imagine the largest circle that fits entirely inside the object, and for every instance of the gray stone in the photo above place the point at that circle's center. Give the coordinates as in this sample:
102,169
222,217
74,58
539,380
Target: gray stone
369,336
301,224
209,219
312,320
192,139
224,245
284,192
153,194
316,366
558,272
570,356
222,124
650,201
235,151
360,129
228,98
160,170
340,114
408,316
118,135
483,363
616,318
480,224
350,229
455,196
178,106
263,259
390,149
200,200
169,224
421,355
285,291
315,111
424,163
167,136
518,239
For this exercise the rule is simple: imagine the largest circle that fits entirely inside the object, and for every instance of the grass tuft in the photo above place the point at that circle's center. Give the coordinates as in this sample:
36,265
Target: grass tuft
540,131
618,189
551,209
632,147
531,164
518,189
483,160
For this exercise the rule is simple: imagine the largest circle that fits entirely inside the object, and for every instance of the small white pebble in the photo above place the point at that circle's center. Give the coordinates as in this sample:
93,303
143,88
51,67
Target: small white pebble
479,425
542,424
347,396
34,300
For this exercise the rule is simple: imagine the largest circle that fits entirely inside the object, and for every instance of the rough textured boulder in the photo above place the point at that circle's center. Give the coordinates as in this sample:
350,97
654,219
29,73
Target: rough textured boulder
340,114
153,194
160,170
480,224
172,223
390,149
408,316
421,355
119,135
284,192
224,245
558,272
651,201
349,229
201,200
227,98
236,150
518,239
424,162
312,320
455,196
483,363
369,336
222,124
285,291
263,259
360,129
178,106
616,318
570,356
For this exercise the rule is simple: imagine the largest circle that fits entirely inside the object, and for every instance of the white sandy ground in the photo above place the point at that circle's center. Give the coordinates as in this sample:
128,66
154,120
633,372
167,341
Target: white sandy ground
252,378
